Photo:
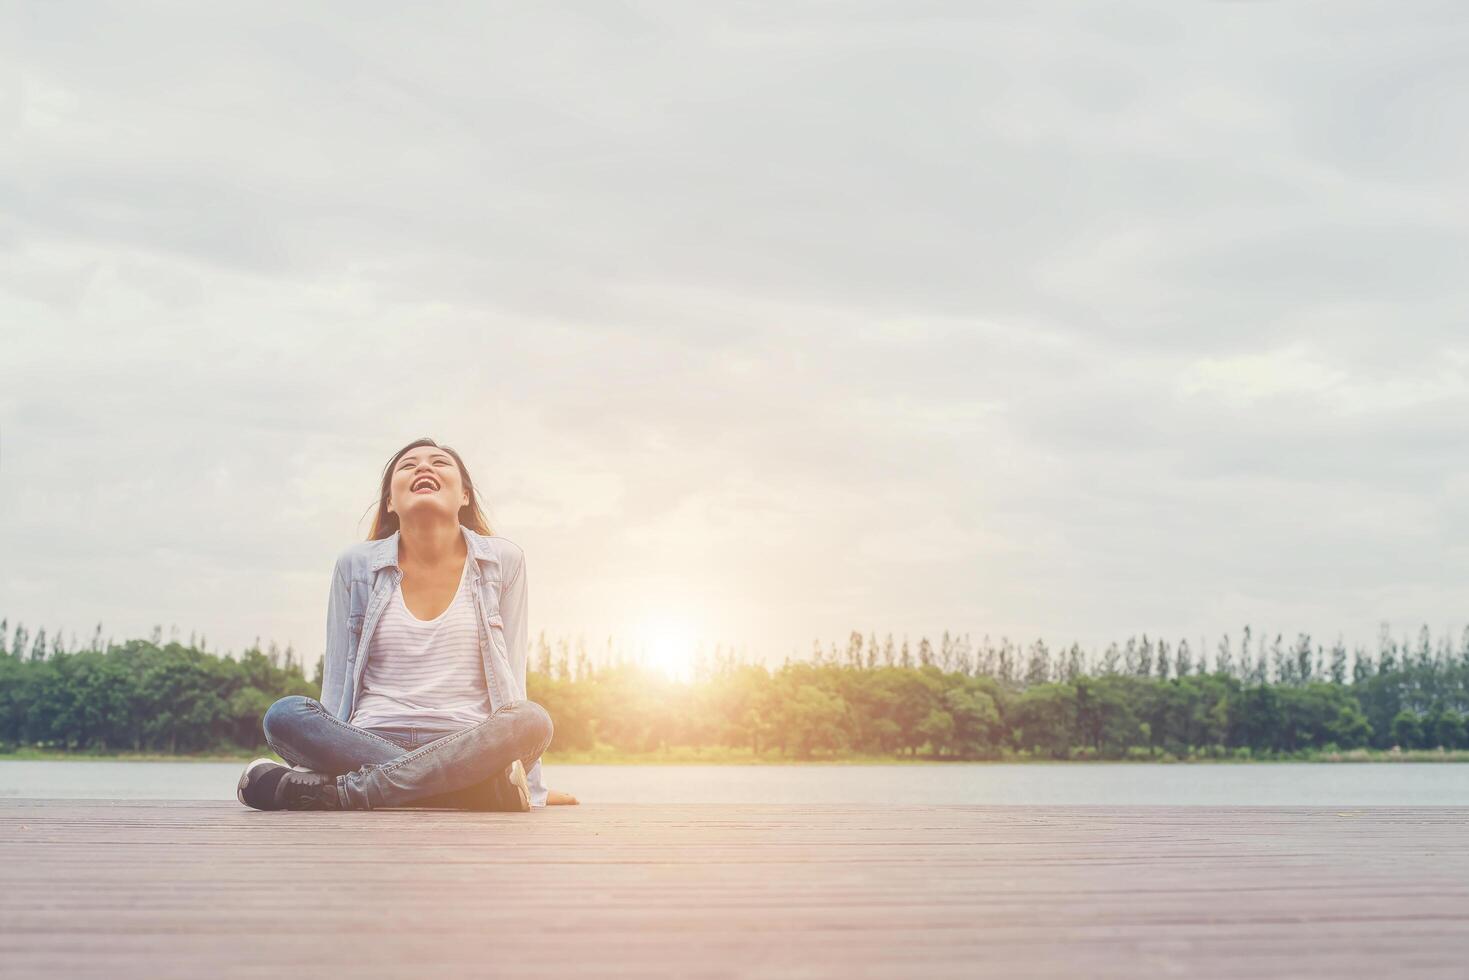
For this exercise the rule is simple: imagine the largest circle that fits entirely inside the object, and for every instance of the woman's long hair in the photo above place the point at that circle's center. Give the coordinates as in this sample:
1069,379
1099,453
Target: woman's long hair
470,515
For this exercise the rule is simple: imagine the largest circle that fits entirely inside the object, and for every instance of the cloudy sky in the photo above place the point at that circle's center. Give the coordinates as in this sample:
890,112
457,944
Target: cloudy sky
755,322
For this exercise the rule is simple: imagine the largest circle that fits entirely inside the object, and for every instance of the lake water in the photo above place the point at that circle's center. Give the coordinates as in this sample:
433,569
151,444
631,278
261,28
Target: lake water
1275,784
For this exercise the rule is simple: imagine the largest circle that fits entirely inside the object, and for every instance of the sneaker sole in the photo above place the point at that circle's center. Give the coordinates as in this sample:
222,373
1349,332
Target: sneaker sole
522,787
248,775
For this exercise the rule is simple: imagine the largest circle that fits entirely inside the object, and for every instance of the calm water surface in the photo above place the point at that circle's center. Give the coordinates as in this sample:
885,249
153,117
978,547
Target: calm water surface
1278,784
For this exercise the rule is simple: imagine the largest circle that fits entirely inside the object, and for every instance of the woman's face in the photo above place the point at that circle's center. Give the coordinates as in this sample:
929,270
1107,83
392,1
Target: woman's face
426,480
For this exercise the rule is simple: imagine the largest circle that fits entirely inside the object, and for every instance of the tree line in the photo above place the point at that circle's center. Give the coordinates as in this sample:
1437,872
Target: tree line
1143,698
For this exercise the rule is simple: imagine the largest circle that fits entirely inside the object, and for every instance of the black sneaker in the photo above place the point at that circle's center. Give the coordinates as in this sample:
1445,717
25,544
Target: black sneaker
267,785
259,782
308,791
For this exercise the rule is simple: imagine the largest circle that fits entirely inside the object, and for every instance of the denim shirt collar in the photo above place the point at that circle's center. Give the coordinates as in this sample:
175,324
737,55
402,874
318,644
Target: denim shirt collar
385,550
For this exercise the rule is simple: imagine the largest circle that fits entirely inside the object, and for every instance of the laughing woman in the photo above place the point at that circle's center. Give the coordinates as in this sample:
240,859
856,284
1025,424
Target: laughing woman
423,693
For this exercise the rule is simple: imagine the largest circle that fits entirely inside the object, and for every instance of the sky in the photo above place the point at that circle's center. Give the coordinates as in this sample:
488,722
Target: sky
755,323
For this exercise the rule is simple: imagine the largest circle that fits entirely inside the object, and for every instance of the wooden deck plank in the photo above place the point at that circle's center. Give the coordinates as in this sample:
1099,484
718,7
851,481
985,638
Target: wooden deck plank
190,889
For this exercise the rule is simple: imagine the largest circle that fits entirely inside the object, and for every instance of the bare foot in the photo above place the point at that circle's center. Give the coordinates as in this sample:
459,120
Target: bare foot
554,797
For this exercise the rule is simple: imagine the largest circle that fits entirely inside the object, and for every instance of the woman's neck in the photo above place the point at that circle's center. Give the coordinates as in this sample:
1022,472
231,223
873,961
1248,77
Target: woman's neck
431,543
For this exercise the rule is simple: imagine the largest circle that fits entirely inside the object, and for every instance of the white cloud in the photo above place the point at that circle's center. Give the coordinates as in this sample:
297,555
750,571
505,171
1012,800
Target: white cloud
1072,320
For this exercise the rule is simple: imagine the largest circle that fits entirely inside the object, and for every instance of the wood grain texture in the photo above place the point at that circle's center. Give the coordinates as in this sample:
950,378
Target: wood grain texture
203,889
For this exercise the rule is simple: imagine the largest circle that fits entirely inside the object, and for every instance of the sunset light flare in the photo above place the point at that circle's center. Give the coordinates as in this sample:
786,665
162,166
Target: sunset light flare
667,644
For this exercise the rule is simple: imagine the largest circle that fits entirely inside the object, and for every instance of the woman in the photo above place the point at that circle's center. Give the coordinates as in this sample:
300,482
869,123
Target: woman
423,692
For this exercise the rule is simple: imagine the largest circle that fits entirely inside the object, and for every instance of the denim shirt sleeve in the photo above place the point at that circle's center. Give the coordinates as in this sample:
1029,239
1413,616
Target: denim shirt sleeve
514,607
338,639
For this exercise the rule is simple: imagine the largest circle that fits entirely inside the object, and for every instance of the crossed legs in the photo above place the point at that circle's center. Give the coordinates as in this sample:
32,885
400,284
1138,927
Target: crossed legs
464,769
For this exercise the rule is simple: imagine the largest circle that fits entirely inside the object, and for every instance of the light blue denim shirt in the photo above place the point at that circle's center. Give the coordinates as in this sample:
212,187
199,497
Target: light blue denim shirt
366,577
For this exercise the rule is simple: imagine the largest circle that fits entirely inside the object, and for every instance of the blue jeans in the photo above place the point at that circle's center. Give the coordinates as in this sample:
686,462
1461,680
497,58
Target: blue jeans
378,768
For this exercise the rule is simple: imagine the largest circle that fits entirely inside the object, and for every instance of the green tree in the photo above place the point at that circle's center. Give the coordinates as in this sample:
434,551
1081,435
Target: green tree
978,729
937,730
1407,730
1449,730
812,719
1046,719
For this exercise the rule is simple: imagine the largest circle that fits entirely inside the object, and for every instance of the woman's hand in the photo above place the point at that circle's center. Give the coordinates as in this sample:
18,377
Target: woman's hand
554,797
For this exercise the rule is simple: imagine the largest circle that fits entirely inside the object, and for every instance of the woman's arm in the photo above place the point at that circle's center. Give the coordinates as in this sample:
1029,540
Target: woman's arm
338,638
514,607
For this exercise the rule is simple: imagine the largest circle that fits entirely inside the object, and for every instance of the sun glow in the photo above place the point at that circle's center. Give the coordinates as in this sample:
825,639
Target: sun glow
666,644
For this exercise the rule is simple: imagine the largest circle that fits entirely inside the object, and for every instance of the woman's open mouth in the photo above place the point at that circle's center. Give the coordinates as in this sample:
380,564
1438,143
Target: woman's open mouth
425,484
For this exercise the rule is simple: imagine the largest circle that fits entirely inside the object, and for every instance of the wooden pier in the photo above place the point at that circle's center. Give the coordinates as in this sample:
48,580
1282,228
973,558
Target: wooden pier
125,889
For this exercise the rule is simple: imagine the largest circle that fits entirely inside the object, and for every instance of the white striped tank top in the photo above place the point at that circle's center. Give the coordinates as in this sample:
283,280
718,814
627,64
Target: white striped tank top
425,673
